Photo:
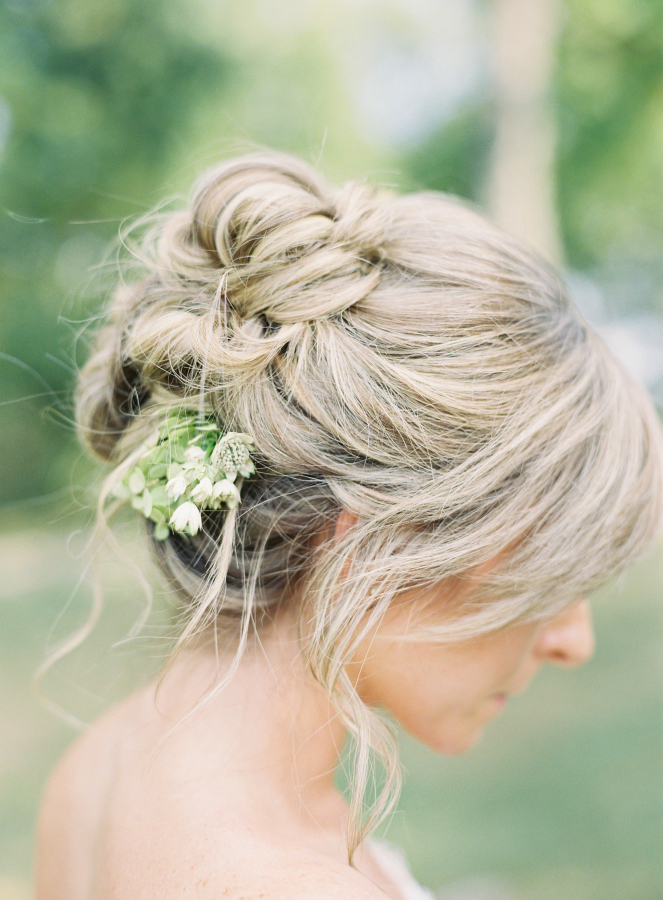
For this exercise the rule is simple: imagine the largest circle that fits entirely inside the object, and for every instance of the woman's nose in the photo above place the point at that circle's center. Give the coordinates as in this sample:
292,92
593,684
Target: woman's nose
569,639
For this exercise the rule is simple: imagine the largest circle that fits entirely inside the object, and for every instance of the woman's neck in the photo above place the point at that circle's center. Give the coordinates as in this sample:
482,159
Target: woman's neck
271,726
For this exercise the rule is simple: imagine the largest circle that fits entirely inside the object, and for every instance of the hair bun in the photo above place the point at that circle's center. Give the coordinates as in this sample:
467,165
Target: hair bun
288,249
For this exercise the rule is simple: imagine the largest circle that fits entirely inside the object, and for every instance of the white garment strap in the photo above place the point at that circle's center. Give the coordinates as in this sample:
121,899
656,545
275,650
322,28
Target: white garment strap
393,863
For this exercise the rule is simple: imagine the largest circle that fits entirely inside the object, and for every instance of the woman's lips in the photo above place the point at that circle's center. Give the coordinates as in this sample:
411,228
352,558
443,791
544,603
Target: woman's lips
500,700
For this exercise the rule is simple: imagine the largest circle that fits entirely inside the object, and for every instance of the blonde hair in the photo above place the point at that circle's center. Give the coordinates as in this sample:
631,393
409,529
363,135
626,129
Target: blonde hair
398,357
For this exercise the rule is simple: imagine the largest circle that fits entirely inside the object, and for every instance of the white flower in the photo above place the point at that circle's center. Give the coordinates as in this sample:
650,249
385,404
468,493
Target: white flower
247,469
202,491
194,454
187,516
225,492
231,454
176,486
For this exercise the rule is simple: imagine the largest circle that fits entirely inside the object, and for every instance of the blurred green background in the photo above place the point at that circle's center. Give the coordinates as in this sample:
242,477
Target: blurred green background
548,114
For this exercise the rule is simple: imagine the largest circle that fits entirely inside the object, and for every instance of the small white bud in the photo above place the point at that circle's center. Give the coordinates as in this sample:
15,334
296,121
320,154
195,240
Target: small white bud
194,454
225,492
176,486
187,516
202,491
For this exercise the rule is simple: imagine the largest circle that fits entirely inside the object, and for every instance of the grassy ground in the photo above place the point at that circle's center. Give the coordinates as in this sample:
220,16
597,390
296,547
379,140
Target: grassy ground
562,801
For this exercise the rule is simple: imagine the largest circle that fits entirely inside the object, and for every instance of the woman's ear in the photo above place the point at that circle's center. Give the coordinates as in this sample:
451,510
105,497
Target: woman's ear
344,522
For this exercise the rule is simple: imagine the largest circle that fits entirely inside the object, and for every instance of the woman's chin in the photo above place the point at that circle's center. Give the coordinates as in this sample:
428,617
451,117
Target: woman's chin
457,744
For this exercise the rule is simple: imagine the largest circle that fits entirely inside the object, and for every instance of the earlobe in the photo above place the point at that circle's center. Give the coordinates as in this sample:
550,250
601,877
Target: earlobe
345,521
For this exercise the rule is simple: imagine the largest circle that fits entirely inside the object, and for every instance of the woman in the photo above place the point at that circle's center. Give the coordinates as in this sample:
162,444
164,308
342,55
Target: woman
436,460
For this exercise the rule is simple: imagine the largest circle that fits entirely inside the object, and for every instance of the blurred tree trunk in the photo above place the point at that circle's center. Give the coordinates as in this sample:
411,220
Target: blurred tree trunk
521,188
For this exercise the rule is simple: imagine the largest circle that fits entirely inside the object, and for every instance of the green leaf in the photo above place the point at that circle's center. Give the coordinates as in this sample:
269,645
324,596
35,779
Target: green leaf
159,496
136,481
161,532
120,491
157,471
158,516
143,503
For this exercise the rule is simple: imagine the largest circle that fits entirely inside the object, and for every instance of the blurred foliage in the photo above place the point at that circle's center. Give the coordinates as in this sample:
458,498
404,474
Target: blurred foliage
608,97
107,106
455,157
610,102
98,94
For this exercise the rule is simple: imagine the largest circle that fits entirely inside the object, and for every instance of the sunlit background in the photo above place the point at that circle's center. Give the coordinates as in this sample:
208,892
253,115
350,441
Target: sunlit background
549,115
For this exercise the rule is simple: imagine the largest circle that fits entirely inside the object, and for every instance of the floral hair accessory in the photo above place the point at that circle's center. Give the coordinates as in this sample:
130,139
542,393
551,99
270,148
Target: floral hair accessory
187,466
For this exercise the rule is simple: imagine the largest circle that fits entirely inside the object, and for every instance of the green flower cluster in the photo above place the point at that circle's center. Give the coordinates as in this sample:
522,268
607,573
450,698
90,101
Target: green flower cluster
187,467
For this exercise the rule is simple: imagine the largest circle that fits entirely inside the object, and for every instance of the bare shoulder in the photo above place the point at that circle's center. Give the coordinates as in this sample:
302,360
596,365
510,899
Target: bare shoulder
92,843
86,768
324,880
279,874
243,865
324,885
71,810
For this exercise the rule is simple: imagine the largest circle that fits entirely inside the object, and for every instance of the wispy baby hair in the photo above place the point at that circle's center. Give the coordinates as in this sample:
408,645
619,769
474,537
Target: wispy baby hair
398,357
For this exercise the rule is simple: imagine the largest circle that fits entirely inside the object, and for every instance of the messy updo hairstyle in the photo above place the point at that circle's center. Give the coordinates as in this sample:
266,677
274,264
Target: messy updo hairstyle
398,357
